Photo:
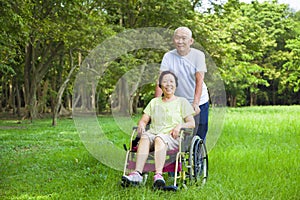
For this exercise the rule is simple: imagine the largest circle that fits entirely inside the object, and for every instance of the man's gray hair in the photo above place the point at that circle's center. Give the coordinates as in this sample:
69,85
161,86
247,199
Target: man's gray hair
185,29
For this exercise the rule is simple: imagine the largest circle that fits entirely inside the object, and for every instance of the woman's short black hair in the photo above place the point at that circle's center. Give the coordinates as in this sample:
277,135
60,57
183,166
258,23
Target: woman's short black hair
165,73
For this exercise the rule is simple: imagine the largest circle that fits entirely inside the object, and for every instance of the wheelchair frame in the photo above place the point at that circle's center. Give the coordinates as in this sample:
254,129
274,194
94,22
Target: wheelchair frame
191,164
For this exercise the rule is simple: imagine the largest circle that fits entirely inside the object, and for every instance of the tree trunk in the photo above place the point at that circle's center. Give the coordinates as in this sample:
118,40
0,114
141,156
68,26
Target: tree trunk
123,97
68,103
1,97
59,97
274,91
135,103
27,69
35,70
232,100
135,94
30,82
251,99
32,101
42,97
61,91
11,96
18,98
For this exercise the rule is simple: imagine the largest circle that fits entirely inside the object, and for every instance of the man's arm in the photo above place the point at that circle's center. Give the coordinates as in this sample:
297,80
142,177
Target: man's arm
158,91
198,91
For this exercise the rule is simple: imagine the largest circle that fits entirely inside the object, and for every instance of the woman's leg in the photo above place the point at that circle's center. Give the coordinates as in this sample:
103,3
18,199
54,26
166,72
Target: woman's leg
160,152
142,153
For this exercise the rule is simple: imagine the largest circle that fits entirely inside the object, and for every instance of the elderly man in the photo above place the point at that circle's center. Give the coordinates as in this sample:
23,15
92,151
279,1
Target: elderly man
188,64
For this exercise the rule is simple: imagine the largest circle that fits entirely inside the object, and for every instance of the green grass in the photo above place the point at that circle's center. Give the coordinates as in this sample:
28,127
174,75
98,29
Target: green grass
256,157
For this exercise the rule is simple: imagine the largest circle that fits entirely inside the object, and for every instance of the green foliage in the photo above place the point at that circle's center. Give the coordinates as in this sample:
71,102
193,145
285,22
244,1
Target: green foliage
148,13
247,42
255,45
291,71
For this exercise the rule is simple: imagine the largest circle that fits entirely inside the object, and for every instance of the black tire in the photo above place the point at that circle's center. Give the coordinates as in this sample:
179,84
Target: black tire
198,161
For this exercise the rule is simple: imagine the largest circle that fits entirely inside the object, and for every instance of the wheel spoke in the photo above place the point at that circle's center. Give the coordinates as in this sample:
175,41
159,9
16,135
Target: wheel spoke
198,161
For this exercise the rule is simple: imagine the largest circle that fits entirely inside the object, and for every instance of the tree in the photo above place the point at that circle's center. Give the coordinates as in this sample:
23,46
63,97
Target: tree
255,46
246,41
277,20
290,78
11,29
242,44
50,30
58,103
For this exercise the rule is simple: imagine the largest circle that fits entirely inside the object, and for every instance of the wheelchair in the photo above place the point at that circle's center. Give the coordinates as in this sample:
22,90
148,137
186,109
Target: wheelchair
187,165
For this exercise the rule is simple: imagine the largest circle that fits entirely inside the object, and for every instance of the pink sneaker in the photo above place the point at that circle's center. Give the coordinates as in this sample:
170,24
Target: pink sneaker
159,182
134,178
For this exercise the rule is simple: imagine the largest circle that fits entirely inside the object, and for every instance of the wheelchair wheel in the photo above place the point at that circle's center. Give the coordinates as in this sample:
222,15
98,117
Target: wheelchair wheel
198,161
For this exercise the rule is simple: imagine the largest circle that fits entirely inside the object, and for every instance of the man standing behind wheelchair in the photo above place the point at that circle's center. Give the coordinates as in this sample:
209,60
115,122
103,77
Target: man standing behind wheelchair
168,114
189,65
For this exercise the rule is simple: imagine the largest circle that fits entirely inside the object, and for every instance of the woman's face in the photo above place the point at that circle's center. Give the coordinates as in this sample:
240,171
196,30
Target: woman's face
168,85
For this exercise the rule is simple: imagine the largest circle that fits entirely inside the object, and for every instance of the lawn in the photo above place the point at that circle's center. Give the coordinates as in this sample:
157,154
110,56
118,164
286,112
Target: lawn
256,157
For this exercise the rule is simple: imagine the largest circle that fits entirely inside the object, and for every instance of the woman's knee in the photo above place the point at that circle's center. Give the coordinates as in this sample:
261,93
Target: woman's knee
158,140
159,143
145,137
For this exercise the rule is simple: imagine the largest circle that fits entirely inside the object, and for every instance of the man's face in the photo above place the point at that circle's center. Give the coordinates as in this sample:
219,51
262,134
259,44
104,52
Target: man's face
182,42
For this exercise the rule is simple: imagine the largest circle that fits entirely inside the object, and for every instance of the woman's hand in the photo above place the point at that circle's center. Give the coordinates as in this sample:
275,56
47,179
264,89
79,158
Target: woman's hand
176,131
142,124
140,130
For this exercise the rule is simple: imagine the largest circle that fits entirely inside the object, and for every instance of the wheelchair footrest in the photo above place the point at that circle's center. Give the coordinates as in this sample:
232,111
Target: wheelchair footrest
170,188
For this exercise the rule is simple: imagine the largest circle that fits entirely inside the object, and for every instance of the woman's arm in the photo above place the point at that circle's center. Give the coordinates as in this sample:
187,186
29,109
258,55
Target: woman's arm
189,122
143,123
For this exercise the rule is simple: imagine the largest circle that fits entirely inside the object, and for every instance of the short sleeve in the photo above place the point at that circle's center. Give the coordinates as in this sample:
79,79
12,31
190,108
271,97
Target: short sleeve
186,108
201,65
197,58
164,63
148,109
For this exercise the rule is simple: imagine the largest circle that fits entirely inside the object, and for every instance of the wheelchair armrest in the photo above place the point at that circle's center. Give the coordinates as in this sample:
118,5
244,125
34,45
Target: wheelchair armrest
187,130
147,127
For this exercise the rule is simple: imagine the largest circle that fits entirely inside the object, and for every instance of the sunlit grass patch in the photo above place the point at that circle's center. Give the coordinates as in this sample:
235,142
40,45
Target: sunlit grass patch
256,157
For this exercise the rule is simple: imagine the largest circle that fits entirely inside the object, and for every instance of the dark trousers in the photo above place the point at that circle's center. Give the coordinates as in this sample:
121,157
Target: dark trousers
201,121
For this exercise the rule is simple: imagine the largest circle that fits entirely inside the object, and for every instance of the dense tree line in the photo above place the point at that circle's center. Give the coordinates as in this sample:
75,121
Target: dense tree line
256,47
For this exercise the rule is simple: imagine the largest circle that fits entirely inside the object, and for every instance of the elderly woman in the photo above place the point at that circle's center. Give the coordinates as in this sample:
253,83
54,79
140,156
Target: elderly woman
168,114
